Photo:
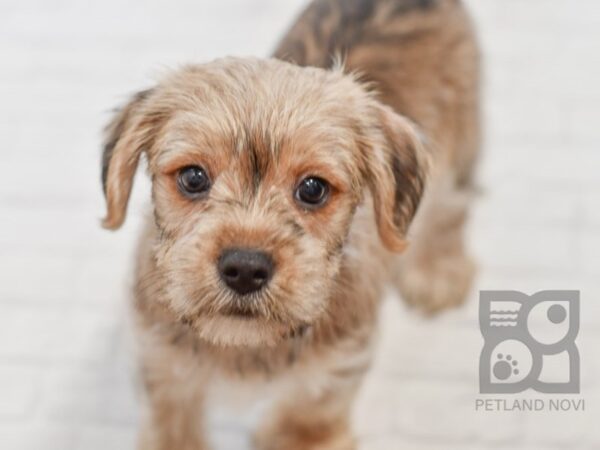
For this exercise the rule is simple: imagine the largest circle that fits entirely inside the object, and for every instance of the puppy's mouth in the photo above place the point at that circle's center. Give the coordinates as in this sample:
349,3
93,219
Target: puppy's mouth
241,312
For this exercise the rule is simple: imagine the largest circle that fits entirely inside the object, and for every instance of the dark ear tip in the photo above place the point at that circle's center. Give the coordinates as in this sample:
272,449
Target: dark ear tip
107,152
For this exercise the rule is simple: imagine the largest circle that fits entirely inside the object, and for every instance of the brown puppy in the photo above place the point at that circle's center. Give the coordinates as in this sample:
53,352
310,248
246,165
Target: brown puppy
280,193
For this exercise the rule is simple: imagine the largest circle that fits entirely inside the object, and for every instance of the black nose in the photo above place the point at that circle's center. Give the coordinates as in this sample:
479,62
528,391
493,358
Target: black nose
245,271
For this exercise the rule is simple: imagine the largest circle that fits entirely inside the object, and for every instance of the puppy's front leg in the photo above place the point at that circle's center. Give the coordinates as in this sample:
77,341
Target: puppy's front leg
175,386
172,423
306,420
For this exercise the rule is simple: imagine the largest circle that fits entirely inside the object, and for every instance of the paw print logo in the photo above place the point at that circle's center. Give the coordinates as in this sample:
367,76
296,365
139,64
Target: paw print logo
510,362
522,334
505,366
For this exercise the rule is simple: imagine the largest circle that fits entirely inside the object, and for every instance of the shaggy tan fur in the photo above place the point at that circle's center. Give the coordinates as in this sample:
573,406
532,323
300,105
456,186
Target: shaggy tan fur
405,105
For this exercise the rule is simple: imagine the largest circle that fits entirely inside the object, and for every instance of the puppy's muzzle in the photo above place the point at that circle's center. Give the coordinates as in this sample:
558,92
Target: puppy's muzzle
245,270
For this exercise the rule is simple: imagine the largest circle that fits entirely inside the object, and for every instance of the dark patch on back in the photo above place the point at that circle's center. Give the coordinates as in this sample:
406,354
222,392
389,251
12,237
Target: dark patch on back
394,39
336,26
322,8
356,11
354,14
404,6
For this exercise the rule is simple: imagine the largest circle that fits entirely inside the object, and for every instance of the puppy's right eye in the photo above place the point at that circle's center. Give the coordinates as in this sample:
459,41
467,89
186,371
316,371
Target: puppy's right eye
312,192
193,181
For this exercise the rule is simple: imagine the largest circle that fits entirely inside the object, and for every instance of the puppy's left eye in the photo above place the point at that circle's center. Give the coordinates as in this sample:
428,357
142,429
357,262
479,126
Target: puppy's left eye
193,181
312,192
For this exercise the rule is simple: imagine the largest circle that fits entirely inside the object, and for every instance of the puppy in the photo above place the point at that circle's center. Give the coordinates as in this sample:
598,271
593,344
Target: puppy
283,190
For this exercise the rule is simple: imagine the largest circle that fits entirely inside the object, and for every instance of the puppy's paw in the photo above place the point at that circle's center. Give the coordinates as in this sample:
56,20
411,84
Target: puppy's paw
441,284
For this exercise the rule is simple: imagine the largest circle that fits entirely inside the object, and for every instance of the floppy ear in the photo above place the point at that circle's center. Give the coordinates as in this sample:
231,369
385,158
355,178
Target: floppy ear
396,170
127,135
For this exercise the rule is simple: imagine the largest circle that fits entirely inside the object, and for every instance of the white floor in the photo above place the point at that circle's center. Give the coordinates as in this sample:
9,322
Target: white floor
65,378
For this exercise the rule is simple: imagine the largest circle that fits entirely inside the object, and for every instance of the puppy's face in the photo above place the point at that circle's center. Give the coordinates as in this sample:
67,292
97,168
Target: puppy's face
257,169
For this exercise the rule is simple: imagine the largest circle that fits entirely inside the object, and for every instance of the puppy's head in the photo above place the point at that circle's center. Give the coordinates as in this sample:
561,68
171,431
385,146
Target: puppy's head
257,168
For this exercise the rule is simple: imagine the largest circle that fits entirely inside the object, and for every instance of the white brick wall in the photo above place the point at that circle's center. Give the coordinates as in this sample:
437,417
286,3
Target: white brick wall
65,378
